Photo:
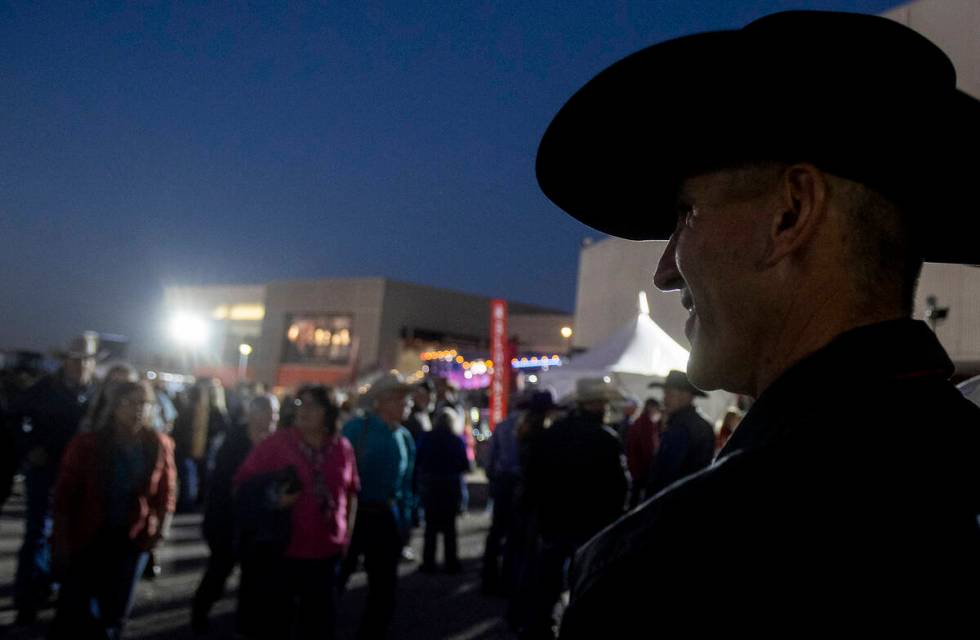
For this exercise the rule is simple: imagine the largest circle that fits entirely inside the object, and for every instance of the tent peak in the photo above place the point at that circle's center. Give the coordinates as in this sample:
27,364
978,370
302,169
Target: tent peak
644,304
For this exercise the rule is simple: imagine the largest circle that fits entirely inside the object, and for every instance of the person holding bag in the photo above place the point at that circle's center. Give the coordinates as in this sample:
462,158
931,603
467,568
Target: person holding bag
314,476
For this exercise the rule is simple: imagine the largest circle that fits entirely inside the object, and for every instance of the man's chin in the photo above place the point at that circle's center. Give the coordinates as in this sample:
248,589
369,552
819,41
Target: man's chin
703,375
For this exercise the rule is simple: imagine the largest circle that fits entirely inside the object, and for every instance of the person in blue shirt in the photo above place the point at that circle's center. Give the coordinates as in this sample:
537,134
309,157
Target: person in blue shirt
385,453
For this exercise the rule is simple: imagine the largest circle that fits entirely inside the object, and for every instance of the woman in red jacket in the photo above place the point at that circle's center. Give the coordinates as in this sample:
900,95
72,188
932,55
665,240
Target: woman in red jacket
115,491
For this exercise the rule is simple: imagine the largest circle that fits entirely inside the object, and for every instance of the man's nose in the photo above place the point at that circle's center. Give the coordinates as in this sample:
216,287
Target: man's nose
667,276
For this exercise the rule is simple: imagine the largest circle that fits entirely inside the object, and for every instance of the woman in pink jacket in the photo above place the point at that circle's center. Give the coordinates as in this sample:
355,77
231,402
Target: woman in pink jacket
301,589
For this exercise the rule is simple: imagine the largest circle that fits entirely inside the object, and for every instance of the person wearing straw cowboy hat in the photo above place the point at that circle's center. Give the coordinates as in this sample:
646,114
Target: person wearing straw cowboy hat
49,414
802,168
385,455
575,484
687,443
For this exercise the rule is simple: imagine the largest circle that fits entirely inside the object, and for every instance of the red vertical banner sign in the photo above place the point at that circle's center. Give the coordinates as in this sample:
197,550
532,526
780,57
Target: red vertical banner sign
500,380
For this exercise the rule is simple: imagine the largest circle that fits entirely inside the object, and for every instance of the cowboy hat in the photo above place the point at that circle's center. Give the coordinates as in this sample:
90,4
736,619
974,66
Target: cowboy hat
596,390
83,347
391,382
538,401
678,380
859,96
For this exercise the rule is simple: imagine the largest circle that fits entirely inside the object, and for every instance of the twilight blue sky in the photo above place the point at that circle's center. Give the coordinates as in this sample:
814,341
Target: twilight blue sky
149,143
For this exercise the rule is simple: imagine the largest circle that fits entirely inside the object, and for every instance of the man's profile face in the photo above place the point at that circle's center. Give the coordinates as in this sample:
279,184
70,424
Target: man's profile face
713,258
394,407
675,399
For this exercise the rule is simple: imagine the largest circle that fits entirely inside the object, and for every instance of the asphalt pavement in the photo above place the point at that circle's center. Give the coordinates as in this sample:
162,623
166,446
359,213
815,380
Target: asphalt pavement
430,607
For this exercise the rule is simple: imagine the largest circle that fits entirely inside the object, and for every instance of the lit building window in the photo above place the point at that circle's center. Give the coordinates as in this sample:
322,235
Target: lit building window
246,312
317,339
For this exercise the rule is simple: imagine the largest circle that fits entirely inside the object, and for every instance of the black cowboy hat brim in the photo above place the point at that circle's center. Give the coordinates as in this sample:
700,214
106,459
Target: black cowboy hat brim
859,96
690,388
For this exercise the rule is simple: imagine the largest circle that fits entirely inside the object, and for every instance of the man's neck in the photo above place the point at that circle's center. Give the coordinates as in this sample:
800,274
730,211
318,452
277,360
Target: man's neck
805,329
679,410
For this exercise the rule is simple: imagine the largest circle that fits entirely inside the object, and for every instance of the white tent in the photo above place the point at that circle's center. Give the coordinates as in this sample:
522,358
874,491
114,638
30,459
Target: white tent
971,389
633,357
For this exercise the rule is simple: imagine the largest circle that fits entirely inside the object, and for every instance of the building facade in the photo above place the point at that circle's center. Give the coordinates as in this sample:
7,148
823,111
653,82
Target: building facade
336,330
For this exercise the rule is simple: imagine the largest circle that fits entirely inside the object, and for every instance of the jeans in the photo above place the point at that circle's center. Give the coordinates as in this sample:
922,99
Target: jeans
188,484
547,581
440,520
307,604
34,559
257,587
377,538
97,593
499,543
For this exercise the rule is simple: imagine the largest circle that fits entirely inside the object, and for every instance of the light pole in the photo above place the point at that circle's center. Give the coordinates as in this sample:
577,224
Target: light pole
566,333
244,350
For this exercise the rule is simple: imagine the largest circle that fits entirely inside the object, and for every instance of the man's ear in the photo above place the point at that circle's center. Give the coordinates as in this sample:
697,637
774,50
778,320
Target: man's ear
801,203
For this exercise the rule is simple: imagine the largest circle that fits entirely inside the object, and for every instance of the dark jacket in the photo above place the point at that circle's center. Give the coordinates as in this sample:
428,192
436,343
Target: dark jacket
440,462
219,508
687,445
576,479
262,527
54,411
414,424
848,495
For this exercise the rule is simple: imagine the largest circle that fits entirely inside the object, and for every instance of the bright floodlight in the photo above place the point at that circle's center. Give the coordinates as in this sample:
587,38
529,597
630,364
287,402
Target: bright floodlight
244,349
566,332
188,330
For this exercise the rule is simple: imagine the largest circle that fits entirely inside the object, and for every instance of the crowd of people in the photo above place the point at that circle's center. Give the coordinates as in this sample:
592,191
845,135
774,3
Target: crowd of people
560,475
299,492
797,219
302,491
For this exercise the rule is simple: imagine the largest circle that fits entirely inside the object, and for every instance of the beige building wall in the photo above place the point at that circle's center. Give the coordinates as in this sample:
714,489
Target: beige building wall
541,332
411,306
611,274
954,25
956,287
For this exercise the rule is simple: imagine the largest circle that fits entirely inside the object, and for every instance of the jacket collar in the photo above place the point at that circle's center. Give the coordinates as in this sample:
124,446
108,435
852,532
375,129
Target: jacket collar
886,351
